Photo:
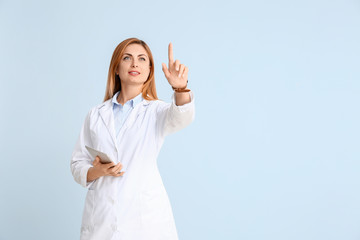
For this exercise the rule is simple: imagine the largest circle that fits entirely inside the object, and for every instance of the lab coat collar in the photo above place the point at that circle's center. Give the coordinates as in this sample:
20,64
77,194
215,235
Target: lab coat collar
107,115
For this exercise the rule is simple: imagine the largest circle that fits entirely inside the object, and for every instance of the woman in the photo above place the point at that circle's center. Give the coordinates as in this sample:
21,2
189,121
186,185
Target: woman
126,199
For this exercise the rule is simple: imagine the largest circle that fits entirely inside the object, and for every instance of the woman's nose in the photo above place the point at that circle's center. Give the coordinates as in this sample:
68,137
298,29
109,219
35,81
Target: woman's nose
134,63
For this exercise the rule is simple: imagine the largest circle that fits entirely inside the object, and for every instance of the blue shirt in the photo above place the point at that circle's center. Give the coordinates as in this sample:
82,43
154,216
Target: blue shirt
122,112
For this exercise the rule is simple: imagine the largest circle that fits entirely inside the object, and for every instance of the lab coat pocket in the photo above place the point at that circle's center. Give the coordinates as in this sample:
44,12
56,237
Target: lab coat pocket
88,213
153,206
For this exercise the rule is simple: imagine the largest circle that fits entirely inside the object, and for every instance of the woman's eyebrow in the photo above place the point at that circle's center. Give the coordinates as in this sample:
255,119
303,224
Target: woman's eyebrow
138,55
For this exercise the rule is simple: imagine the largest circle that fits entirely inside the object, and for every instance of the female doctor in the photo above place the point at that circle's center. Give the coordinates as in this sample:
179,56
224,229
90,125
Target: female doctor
126,199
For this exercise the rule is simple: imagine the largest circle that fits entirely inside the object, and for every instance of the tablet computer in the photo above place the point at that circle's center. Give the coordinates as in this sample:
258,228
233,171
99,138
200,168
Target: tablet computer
103,157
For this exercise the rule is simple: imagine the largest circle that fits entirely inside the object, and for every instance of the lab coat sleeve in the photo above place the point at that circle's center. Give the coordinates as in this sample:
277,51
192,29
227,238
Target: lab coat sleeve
172,118
81,159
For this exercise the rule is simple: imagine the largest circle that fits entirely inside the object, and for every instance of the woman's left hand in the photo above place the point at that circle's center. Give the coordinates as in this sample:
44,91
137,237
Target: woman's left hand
176,74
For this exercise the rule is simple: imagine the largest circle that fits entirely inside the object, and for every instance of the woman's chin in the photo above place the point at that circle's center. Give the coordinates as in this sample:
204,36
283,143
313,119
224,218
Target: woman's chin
133,82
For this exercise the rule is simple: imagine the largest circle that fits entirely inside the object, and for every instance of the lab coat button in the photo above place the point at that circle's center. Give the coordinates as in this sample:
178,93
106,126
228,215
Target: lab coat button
112,200
114,227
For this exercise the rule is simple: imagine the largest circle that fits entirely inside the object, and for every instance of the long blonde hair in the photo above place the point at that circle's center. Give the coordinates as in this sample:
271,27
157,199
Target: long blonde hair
113,83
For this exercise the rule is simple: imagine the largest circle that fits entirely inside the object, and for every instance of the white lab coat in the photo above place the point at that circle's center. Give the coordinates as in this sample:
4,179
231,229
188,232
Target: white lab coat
134,206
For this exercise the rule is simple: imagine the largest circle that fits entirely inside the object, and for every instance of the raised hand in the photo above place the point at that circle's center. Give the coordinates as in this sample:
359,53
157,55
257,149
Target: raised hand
176,74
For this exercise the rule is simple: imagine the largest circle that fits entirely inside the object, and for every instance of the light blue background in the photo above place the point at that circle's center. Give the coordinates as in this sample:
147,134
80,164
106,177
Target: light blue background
272,154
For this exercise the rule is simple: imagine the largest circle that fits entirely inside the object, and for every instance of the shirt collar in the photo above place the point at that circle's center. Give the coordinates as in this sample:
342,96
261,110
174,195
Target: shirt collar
133,102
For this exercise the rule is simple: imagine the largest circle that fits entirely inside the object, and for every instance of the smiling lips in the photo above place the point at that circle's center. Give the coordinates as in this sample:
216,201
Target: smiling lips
134,73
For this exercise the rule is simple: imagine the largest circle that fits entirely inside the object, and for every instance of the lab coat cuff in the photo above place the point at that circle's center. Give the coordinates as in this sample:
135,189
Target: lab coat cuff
84,181
187,106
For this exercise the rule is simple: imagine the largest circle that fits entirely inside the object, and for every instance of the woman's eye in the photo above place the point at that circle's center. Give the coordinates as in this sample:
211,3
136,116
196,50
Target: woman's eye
125,57
143,59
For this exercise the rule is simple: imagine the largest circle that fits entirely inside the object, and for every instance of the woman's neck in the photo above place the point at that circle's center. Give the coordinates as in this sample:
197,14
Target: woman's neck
128,92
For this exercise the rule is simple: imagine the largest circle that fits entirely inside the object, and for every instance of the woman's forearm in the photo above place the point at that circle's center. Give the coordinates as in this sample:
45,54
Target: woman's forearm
182,98
92,174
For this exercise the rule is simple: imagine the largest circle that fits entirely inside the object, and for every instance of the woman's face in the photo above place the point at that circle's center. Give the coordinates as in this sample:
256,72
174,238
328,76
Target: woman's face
134,66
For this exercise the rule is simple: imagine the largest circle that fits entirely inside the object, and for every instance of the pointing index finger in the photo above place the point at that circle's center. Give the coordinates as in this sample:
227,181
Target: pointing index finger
171,57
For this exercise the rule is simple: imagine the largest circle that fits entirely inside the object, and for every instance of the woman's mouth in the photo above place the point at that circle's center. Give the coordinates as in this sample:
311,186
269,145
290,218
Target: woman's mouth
134,73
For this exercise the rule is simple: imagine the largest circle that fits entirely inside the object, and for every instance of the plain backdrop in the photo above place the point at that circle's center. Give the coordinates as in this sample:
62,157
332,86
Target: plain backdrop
273,152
